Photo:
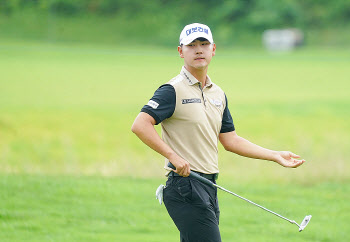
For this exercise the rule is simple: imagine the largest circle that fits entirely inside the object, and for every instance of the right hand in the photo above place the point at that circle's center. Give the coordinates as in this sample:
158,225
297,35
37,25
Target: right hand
182,166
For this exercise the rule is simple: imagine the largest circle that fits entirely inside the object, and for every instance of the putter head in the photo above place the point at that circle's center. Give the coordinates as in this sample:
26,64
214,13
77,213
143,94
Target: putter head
305,221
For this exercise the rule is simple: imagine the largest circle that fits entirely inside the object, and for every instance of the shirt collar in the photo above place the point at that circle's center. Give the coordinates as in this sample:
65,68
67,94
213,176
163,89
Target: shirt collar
191,80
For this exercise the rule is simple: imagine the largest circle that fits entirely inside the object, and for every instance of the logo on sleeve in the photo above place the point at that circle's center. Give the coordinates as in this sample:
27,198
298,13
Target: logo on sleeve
191,100
153,104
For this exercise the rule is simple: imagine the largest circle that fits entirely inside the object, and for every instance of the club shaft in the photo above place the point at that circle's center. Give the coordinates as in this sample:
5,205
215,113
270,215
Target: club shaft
234,194
208,182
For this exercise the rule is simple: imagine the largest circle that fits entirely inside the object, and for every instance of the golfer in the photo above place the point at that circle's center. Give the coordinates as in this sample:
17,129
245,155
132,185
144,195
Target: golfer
194,115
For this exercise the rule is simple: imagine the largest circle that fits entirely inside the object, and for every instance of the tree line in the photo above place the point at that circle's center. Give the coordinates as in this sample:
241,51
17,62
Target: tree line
159,21
250,14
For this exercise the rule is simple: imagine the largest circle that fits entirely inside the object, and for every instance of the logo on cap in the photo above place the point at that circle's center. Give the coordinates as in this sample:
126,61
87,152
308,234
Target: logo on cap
196,29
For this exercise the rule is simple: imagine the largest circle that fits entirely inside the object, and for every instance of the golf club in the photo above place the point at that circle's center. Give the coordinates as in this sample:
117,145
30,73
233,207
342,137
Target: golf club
302,225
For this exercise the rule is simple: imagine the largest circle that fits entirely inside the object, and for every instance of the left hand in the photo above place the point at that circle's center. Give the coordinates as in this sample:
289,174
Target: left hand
286,159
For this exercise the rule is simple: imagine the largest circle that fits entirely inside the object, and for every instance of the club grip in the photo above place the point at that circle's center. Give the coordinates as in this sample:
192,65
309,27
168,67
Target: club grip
194,175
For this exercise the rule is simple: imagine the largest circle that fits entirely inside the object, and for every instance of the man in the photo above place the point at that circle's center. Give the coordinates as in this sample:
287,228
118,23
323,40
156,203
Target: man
194,115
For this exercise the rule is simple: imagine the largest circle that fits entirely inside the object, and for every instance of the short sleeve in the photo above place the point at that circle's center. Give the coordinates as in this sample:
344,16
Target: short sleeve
227,122
162,105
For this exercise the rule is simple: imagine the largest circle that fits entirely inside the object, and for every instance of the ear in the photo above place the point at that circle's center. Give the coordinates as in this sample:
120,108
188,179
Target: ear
179,49
214,49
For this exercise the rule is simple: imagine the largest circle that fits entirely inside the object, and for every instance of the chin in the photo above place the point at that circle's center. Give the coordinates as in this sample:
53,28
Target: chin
200,66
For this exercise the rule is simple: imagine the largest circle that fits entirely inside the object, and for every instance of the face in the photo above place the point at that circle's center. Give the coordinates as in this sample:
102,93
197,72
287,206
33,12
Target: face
198,54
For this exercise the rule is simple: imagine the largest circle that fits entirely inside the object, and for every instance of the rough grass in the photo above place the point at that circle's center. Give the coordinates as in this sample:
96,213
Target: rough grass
66,208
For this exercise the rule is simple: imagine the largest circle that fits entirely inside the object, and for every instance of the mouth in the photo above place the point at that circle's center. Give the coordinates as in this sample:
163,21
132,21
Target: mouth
199,58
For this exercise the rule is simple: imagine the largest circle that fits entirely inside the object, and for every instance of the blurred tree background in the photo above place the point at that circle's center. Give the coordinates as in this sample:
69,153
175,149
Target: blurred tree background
158,22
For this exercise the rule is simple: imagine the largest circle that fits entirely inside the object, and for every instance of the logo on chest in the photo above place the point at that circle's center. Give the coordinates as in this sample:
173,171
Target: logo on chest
216,102
191,100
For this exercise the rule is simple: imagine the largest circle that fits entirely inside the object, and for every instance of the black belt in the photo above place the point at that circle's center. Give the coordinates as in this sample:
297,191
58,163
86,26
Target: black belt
212,177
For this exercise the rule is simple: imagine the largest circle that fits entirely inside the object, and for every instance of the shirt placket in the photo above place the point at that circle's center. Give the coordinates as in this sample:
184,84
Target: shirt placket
203,96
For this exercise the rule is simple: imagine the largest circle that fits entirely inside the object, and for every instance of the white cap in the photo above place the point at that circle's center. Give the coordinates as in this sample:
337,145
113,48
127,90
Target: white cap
194,31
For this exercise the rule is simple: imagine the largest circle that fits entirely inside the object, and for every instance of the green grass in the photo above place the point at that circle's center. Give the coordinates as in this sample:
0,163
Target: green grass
68,109
65,208
71,170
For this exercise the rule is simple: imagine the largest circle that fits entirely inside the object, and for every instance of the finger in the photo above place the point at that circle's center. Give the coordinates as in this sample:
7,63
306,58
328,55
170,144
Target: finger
179,171
294,155
297,163
186,174
187,171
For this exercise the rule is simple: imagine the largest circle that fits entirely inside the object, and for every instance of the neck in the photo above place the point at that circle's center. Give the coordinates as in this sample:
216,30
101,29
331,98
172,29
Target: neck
199,74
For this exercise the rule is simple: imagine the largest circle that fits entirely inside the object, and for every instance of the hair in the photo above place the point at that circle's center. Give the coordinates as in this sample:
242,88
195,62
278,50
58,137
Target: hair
201,39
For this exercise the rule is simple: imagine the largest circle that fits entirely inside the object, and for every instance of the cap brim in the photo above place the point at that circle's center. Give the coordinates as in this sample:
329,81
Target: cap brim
194,36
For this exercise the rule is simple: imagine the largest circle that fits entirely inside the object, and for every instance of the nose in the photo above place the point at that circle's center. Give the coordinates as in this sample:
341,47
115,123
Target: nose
199,50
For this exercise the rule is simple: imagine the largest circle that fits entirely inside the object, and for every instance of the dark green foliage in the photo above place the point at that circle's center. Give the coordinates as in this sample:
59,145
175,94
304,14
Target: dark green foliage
251,14
240,21
64,7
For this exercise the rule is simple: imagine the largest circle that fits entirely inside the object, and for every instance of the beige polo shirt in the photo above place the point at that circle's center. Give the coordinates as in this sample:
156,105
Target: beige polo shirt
196,121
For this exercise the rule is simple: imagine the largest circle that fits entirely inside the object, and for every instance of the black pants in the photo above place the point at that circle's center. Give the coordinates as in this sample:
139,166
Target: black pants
194,208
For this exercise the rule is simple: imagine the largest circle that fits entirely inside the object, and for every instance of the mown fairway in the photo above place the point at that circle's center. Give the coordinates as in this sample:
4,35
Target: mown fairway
71,170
